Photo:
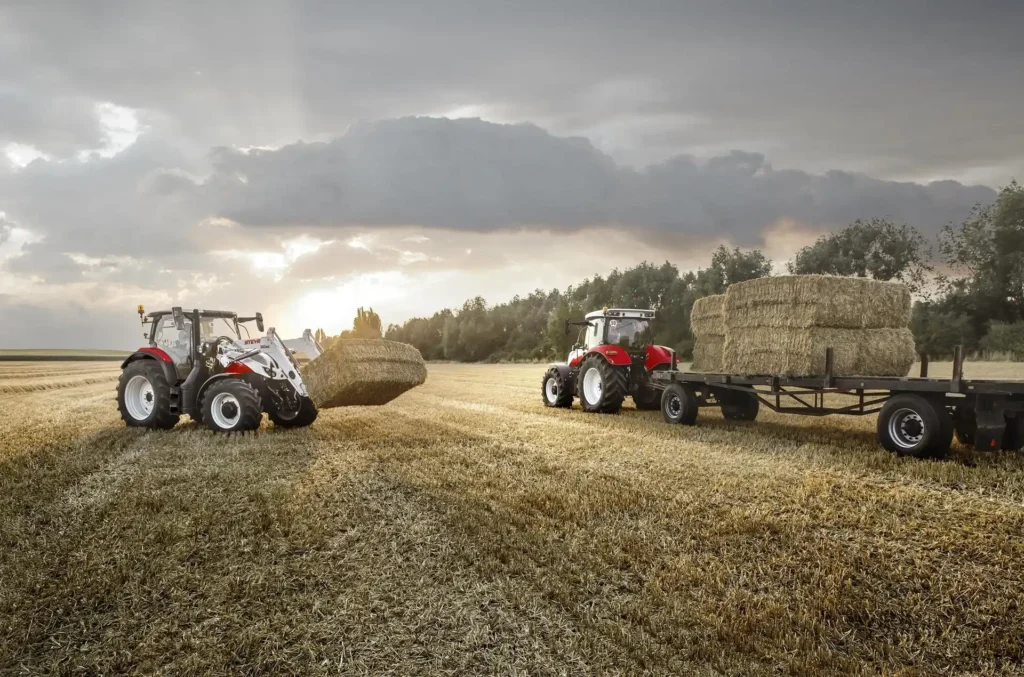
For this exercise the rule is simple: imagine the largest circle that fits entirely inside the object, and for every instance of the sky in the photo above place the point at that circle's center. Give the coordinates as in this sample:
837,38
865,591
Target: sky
305,158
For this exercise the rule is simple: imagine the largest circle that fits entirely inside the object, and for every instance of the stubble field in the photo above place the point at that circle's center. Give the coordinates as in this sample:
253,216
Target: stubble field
466,529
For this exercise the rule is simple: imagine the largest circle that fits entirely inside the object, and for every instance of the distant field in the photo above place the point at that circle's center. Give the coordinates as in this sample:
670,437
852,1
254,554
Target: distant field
58,354
466,529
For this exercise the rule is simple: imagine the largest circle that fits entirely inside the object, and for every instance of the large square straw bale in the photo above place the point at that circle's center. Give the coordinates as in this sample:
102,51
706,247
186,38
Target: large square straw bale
801,301
707,323
356,372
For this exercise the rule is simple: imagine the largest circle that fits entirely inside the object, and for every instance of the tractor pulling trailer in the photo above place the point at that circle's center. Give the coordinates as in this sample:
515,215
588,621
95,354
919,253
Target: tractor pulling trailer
917,416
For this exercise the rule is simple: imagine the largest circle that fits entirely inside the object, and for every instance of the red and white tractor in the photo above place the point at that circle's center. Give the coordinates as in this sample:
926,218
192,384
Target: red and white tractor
205,363
611,359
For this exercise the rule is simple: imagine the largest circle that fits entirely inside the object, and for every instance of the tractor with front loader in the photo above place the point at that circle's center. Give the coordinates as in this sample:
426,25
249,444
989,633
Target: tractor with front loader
612,359
205,364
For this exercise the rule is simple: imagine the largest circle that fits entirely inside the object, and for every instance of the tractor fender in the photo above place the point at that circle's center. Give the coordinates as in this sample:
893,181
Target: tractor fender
565,371
657,356
158,356
613,354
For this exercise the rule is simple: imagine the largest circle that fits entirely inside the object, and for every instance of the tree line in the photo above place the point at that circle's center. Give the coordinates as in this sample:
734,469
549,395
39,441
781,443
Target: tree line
968,285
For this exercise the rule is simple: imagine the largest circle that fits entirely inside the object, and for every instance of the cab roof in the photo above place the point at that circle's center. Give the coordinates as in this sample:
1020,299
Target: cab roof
203,313
625,313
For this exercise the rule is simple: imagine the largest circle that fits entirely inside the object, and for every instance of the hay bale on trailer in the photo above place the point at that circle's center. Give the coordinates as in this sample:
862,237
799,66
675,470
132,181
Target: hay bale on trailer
707,323
782,326
361,372
817,301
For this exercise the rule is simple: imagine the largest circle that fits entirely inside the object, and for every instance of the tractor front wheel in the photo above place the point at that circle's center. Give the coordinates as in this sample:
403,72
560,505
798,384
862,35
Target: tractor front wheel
556,390
231,405
144,396
301,417
602,386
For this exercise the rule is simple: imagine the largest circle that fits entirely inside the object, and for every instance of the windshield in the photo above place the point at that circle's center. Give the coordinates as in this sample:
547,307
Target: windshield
212,327
629,334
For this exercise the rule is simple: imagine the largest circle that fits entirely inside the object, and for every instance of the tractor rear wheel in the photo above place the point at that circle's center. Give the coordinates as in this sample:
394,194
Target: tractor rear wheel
144,396
231,405
602,385
556,390
301,417
647,398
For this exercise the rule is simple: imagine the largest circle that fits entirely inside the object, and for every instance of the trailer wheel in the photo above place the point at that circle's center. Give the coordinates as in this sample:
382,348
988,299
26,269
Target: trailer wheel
965,424
910,425
738,406
1013,436
679,404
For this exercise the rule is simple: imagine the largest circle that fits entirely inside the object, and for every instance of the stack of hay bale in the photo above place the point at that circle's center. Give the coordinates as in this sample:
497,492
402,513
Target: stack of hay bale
360,372
782,326
707,322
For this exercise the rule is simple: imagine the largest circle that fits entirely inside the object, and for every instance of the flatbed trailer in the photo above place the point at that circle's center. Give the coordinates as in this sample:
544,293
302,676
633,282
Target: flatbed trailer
917,416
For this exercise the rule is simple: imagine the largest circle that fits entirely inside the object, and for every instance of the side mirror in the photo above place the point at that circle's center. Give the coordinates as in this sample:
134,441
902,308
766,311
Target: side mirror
179,317
259,321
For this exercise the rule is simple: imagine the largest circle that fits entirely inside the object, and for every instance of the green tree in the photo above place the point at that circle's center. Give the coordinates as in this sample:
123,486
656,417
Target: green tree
986,255
877,249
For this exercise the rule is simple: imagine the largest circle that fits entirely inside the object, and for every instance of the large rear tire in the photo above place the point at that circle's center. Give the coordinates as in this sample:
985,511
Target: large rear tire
647,398
144,396
231,405
602,386
300,418
556,390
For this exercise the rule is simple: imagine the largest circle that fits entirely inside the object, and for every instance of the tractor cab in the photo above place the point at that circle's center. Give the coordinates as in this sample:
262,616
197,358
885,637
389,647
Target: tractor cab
186,337
626,328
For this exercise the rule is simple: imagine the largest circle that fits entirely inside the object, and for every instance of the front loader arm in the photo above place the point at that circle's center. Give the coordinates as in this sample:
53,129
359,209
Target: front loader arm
306,345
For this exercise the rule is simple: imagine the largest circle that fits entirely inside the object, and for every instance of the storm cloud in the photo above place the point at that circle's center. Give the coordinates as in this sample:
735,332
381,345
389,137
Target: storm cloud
480,176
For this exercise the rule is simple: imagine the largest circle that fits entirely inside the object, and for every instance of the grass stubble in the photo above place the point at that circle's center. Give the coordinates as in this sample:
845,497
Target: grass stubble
466,529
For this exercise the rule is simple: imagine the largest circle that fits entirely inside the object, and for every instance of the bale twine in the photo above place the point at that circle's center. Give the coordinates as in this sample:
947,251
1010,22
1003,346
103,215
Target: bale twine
707,323
363,372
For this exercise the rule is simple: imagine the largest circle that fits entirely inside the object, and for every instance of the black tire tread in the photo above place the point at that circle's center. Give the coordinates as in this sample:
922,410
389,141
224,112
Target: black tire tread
935,429
162,418
306,416
688,413
564,399
249,402
615,385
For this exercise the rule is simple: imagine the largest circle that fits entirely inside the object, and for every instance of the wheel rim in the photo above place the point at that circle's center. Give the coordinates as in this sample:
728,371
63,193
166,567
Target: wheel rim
675,406
906,428
593,385
139,399
551,389
225,410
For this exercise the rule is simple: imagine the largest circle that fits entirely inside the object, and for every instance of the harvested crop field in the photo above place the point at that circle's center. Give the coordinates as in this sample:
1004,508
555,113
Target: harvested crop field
466,529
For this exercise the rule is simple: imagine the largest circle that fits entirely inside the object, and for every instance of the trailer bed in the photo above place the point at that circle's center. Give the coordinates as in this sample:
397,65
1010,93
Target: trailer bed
918,415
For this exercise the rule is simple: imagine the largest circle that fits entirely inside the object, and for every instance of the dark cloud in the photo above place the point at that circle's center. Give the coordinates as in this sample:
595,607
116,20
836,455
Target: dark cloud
125,205
478,176
916,88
